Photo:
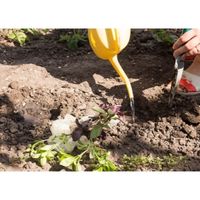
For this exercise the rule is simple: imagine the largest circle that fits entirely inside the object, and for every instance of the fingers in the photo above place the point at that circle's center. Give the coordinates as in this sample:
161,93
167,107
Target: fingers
190,53
189,47
184,38
188,58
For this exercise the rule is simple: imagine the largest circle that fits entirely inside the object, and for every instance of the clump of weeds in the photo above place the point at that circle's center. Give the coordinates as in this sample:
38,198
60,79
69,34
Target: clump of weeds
74,39
145,162
21,36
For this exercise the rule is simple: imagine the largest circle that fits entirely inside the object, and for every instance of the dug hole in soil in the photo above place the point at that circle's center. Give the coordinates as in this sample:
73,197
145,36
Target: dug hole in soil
44,79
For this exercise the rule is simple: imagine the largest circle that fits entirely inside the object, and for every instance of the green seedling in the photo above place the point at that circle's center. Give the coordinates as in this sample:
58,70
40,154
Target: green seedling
58,149
98,157
162,35
132,163
21,36
18,36
35,32
106,114
42,152
73,40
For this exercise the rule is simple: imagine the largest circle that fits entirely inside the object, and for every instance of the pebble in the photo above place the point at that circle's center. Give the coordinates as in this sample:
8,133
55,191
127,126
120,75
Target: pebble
142,133
3,120
198,129
191,118
25,91
65,85
90,109
198,153
13,130
182,141
180,134
82,107
151,124
14,85
175,121
150,135
190,130
155,141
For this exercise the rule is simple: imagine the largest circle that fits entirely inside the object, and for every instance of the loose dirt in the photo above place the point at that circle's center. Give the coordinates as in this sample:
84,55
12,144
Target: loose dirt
44,79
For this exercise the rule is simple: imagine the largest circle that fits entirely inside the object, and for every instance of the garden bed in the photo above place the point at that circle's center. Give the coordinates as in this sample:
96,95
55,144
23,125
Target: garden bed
45,79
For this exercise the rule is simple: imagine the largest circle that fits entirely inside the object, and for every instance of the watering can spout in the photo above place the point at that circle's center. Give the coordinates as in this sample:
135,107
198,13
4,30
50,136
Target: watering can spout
107,44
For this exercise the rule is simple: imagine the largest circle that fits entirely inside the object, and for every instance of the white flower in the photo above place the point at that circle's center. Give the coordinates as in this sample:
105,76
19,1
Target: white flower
59,127
70,119
65,125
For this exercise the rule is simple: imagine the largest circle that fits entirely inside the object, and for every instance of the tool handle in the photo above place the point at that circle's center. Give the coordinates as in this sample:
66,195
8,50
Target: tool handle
186,30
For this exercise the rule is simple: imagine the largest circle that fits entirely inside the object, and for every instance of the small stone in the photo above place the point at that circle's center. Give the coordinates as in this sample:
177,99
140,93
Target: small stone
90,109
179,134
164,145
3,120
25,89
175,121
190,130
150,135
191,118
151,124
164,119
31,119
198,153
182,141
65,86
155,141
143,134
193,134
198,129
13,130
82,107
14,85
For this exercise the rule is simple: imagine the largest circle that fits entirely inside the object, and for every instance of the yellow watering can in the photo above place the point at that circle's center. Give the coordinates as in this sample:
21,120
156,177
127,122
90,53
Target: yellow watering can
107,44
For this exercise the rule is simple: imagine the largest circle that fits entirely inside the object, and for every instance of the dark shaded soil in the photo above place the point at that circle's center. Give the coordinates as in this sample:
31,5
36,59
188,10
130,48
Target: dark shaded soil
44,79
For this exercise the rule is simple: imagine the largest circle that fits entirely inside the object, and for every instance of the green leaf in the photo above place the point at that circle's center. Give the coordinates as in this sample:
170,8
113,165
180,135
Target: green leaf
11,36
67,161
111,113
96,131
46,148
43,153
78,167
51,154
102,161
18,36
99,169
106,126
111,166
91,155
21,38
99,110
43,161
82,147
35,156
33,31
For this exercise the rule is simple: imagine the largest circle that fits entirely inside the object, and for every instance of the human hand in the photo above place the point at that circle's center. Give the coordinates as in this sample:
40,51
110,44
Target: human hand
188,45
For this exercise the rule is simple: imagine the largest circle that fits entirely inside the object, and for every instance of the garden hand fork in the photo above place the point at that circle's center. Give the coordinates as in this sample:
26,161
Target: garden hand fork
179,67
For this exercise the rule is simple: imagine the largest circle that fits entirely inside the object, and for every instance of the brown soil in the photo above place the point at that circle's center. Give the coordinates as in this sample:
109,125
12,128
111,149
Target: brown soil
44,79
